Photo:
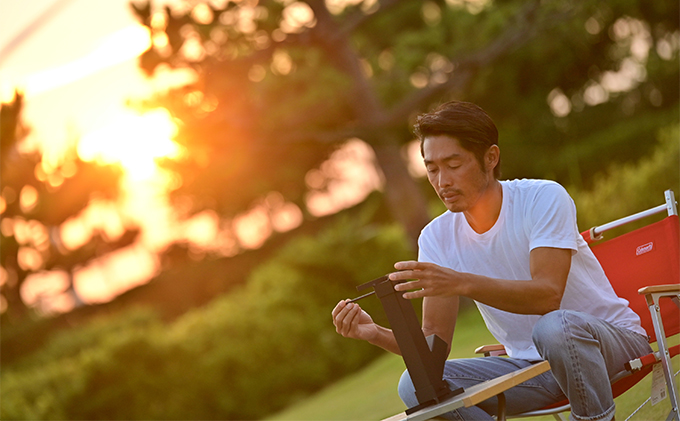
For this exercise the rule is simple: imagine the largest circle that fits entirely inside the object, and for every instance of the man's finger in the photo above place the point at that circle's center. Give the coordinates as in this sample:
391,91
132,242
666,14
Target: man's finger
350,320
338,308
407,264
405,275
340,316
405,286
414,294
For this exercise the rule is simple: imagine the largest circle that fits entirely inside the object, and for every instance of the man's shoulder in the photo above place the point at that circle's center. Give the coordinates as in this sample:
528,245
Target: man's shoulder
445,222
527,184
444,218
530,189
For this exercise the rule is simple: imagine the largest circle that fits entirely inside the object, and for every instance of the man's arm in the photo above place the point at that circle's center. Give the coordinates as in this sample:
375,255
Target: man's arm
439,317
538,295
352,322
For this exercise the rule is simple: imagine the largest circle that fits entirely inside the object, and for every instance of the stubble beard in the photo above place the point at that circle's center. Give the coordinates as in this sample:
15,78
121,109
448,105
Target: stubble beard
462,201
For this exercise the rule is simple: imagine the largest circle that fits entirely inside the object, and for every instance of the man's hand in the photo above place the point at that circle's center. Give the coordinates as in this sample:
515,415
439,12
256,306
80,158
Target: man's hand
539,295
430,280
352,322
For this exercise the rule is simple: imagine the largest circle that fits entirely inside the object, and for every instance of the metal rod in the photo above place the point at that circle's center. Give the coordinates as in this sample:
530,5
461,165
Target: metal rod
362,296
602,228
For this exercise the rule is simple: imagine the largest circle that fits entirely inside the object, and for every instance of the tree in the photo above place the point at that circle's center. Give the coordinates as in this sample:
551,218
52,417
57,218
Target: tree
37,198
281,84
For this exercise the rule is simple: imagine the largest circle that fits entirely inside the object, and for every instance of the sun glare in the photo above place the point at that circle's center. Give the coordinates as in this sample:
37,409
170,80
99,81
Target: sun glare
119,47
133,141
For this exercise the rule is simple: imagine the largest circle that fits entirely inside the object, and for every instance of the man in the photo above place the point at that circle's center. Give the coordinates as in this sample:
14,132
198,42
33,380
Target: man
514,248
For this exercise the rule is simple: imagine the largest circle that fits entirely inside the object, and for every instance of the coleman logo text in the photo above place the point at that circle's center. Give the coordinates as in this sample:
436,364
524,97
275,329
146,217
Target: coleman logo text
645,248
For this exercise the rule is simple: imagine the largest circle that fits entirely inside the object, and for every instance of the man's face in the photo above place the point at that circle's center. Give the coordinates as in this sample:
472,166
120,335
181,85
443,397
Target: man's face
454,173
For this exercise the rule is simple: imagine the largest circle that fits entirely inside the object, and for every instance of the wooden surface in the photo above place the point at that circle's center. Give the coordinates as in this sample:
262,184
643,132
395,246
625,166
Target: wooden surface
476,394
397,417
483,391
659,288
484,349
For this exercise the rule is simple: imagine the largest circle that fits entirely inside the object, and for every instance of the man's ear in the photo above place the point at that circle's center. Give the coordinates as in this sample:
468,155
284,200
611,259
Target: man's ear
492,157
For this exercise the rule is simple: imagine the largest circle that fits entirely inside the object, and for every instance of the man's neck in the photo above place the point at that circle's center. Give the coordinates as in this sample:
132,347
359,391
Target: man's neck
484,214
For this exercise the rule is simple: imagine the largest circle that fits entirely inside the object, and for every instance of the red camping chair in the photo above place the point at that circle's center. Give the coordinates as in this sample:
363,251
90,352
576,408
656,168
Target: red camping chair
642,263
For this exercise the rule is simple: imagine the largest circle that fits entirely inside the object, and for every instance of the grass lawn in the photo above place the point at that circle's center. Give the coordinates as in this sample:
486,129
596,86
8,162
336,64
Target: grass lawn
371,394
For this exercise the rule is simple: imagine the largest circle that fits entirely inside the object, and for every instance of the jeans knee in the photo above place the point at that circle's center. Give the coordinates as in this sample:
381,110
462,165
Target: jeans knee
407,392
548,331
553,329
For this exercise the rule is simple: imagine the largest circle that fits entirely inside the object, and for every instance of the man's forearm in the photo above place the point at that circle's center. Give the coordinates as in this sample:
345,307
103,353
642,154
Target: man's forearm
522,297
385,339
538,295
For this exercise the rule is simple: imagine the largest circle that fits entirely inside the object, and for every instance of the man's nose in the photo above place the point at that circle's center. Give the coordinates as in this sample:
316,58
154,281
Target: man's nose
445,179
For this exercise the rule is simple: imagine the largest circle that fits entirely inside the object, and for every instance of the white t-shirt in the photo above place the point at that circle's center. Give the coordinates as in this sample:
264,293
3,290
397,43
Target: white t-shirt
534,213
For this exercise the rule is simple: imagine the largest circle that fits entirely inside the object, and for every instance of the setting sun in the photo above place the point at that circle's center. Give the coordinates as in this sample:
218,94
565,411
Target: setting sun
133,141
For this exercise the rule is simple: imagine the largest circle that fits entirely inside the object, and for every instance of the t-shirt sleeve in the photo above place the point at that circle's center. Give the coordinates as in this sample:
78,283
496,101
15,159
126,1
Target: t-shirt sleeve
427,247
552,219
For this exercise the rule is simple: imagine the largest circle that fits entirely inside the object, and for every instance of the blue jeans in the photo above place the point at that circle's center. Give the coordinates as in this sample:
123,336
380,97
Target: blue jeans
584,353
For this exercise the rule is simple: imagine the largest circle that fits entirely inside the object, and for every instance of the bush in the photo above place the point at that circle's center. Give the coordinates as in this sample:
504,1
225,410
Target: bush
243,356
56,382
273,341
632,188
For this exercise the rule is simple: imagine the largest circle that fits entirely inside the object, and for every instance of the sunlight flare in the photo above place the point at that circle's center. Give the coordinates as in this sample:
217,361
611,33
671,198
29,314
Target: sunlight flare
134,142
121,46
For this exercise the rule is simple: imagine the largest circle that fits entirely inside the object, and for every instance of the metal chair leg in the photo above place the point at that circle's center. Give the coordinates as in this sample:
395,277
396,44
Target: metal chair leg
653,303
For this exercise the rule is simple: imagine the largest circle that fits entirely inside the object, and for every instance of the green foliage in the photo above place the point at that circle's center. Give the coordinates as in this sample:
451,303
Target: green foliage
244,355
100,330
46,384
624,190
274,337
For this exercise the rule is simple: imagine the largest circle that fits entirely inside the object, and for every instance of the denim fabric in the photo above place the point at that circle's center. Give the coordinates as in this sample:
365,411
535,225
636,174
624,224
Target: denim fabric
584,353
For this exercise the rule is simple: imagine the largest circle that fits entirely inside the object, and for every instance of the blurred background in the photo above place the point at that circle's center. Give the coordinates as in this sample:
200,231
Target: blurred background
188,187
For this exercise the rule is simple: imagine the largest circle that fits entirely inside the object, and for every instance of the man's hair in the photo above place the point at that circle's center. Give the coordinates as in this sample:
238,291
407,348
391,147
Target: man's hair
464,121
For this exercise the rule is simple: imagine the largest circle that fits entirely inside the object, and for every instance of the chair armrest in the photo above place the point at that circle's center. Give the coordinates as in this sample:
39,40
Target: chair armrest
645,360
491,350
671,289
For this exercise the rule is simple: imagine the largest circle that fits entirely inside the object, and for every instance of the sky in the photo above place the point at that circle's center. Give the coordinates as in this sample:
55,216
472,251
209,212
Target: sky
66,62
76,63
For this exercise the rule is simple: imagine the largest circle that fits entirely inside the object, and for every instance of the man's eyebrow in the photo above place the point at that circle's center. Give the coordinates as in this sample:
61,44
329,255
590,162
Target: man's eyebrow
446,158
